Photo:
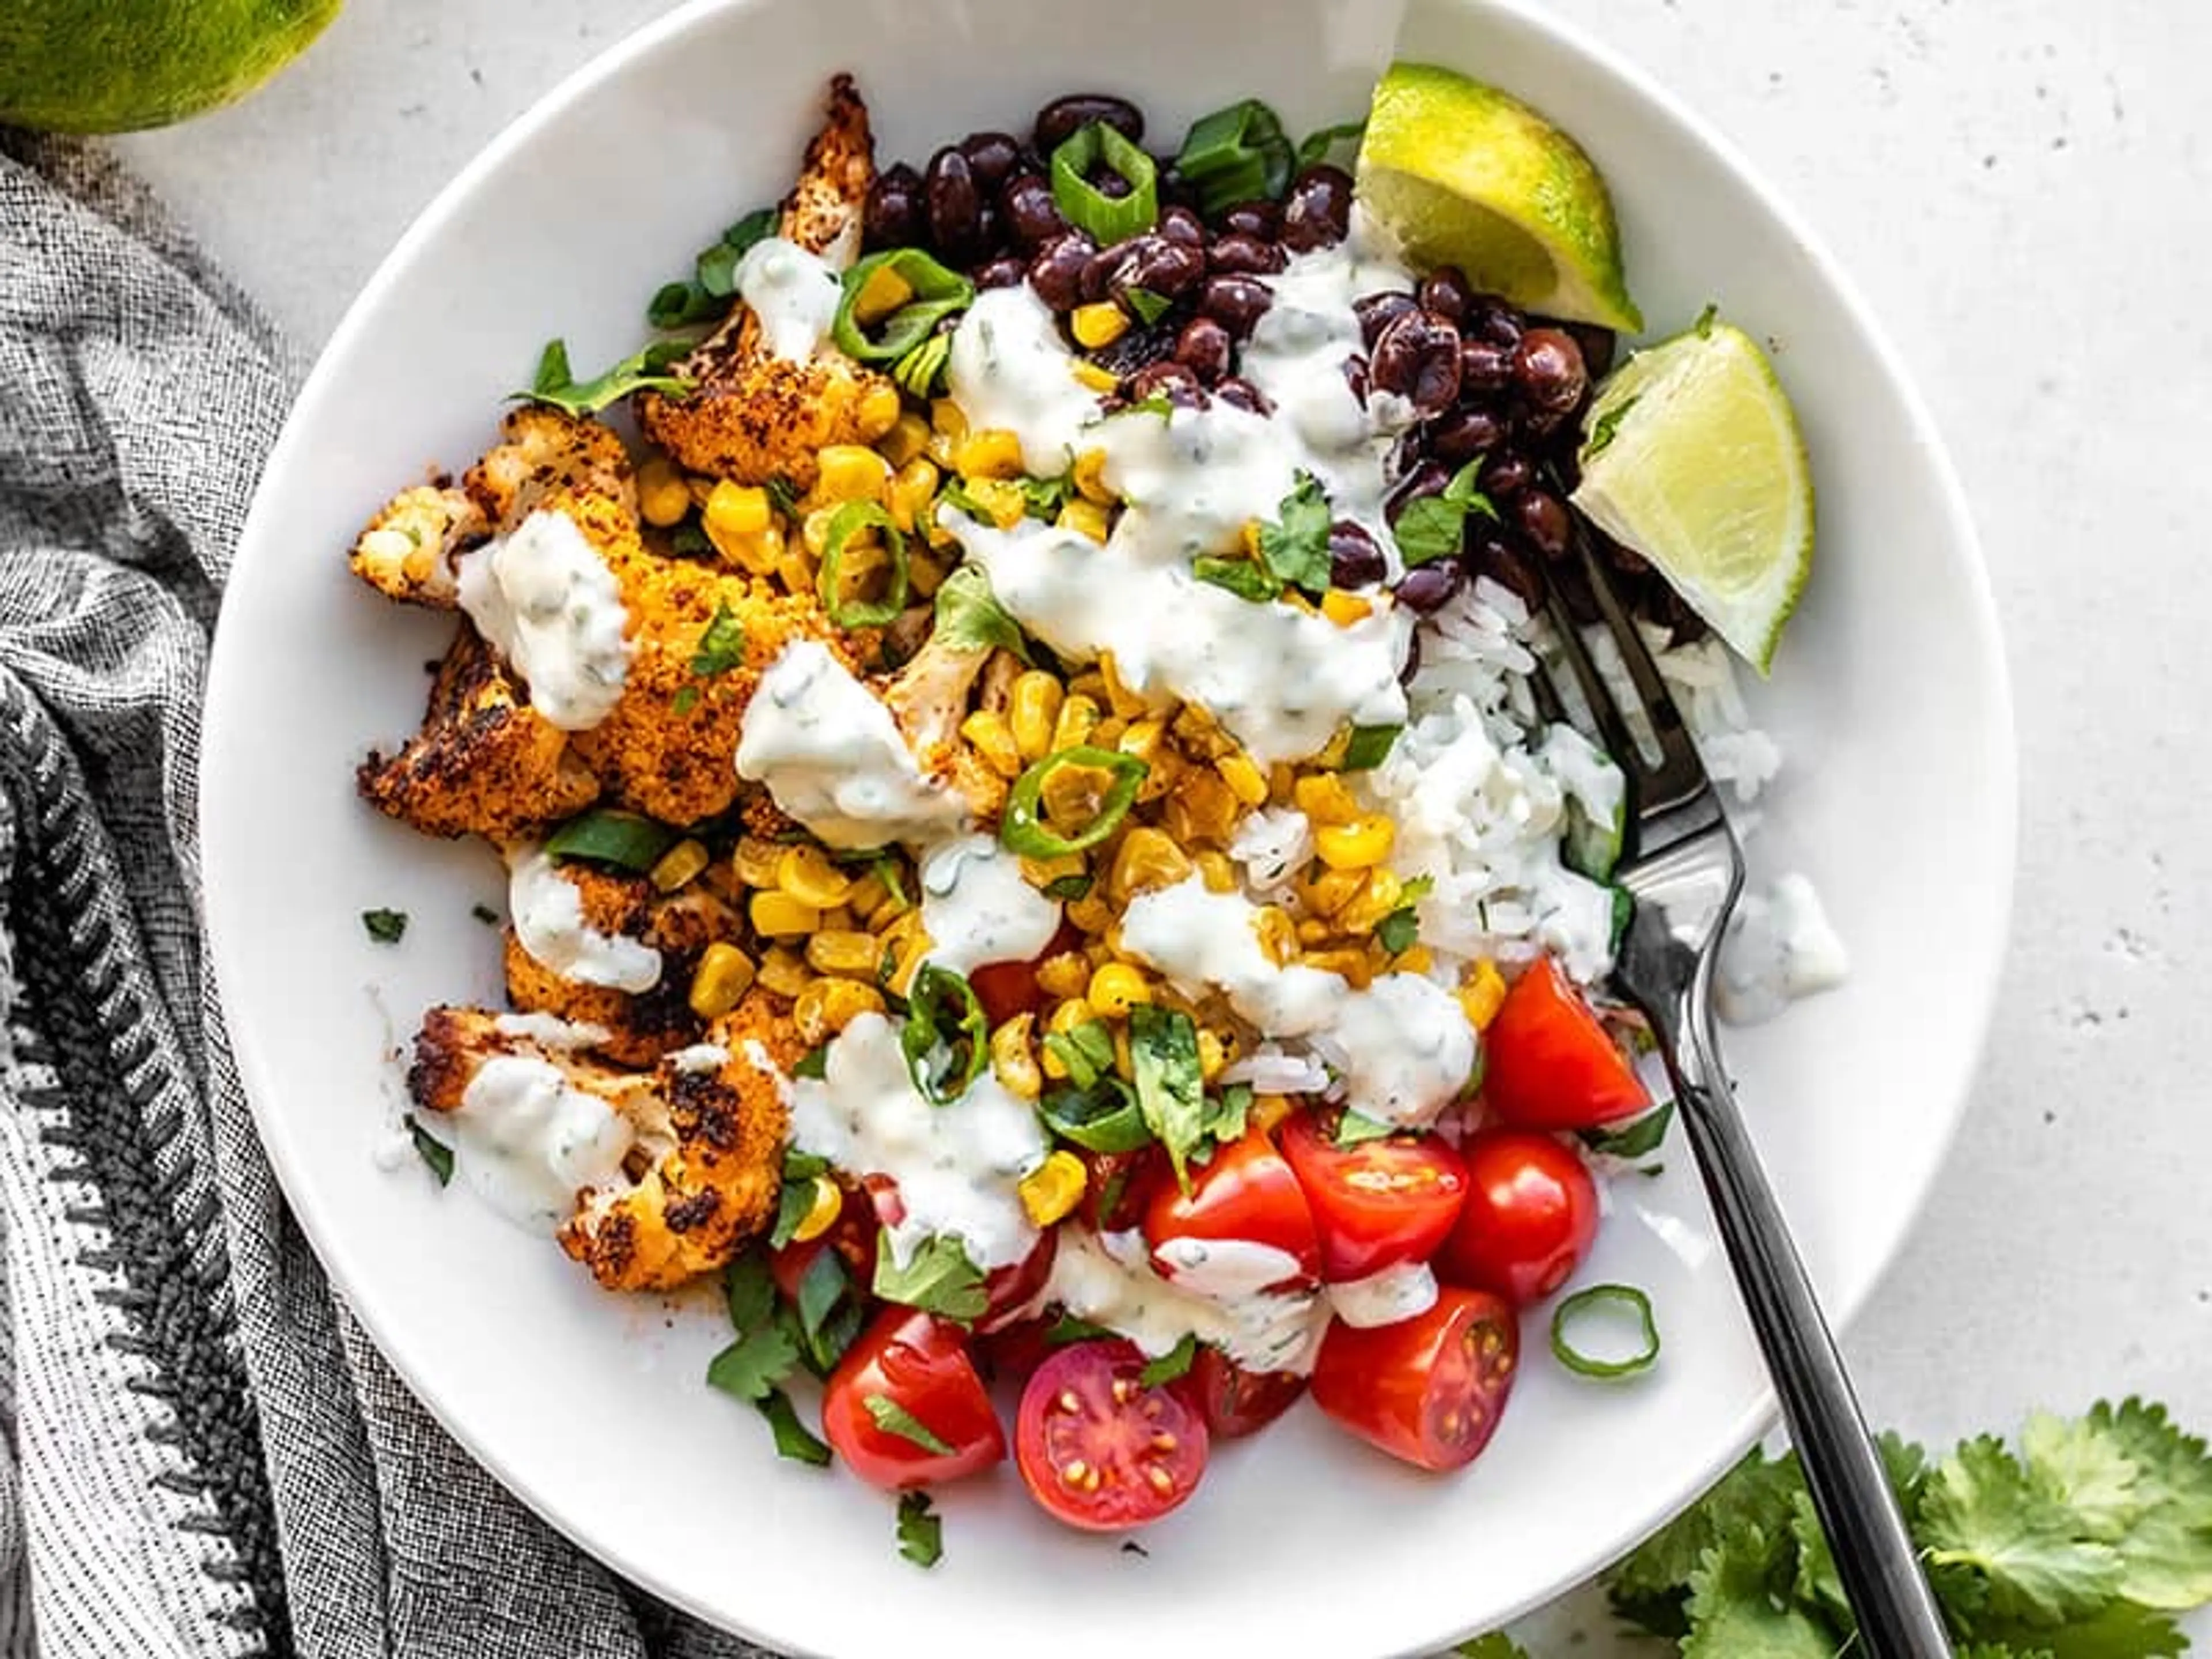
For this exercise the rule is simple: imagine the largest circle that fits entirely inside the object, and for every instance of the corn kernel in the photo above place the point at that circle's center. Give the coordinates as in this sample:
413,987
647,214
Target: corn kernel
1331,890
1032,706
792,568
1482,994
680,866
1277,932
1323,798
828,1006
913,488
905,441
878,412
1215,870
1091,915
1379,894
735,510
1414,959
779,916
758,554
868,892
783,971
1107,732
1123,701
1245,781
1212,1052
1314,930
885,292
1068,1013
1147,739
1099,324
822,1213
663,497
851,472
1268,1111
991,735
1200,809
1013,1057
1359,845
806,874
1344,609
724,974
1064,974
1117,988
1124,1067
1352,964
947,419
993,452
842,950
1054,1188
1145,860
925,571
1088,476
1096,376
1086,519
1088,684
1002,503
909,963
755,861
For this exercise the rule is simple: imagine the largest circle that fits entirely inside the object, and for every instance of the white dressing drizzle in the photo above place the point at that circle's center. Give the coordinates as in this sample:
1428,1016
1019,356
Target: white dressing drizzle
548,912
792,292
528,1140
1107,1280
1384,1299
977,906
547,603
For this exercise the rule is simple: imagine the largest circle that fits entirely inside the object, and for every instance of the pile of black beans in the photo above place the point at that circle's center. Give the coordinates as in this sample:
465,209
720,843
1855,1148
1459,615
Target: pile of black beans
1487,381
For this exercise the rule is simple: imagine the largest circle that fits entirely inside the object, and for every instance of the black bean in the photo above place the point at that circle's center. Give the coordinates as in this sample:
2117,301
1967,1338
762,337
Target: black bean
1057,122
1431,586
1154,263
1485,366
1002,272
1205,347
1261,218
1108,183
1318,210
1177,381
1357,377
1377,312
1548,371
991,238
1458,437
1030,212
955,206
1236,302
992,157
1507,473
895,214
1489,318
1515,572
1240,394
1247,256
1446,292
1417,357
1541,518
1100,271
1427,477
1057,270
1354,558
1176,191
1138,347
1598,344
1179,224
1412,666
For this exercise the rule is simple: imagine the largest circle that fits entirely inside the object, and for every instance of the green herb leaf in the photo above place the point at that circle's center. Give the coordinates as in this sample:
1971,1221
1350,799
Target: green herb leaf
1069,1328
1398,932
1086,1050
1318,146
794,1203
1429,529
1607,426
385,926
921,1533
793,1439
1068,889
1228,1114
955,495
1176,1361
432,1150
484,914
894,1419
684,304
814,1064
752,1367
1369,747
689,540
1735,1610
821,1288
1294,546
1354,1127
1239,153
625,841
1979,1509
2166,1554
749,1290
1170,1090
685,700
938,1279
1100,1116
721,643
1247,580
645,370
1043,498
783,496
756,227
1638,1138
1495,1645
970,616
945,1018
1149,307
1703,328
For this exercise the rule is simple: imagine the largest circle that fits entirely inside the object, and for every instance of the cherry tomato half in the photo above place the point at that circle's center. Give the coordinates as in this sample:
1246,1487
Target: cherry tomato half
1552,1064
1236,1402
1007,988
916,1364
1246,1195
1098,1449
1377,1204
1530,1216
1121,1187
1428,1390
1013,1287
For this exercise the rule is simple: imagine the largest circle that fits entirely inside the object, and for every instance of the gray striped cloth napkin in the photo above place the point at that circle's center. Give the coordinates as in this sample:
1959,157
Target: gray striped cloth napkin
203,1453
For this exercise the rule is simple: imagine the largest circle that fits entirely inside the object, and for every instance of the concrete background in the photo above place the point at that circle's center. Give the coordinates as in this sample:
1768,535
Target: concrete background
2021,188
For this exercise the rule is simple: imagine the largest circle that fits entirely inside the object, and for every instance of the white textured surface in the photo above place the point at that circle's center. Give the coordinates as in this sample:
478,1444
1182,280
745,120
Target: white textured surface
2018,189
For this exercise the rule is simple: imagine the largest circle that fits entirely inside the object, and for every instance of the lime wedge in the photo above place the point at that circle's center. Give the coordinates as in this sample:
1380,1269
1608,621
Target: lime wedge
1694,460
1461,174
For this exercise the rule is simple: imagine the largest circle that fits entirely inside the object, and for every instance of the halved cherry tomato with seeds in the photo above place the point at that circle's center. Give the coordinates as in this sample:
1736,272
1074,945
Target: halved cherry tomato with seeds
1428,1390
1552,1064
1237,1401
1099,1449
1377,1204
918,1365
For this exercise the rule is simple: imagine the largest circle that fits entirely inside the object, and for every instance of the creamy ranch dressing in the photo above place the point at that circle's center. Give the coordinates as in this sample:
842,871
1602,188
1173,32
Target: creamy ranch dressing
1396,1293
977,906
547,603
548,912
528,1140
1224,1269
833,758
1107,1280
957,1166
792,292
1406,1049
1011,370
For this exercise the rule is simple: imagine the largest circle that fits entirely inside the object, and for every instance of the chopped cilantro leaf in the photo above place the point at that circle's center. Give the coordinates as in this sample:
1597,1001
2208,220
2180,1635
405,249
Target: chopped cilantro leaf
433,1150
385,926
1227,1113
1242,577
721,643
751,1367
1397,932
1069,1328
1170,1090
685,700
1176,1361
921,1532
1368,747
1068,888
1149,307
793,1439
645,370
1044,497
749,1293
1295,546
814,1064
1319,145
1355,1127
969,615
1703,328
894,1419
782,494
938,1277
1637,1139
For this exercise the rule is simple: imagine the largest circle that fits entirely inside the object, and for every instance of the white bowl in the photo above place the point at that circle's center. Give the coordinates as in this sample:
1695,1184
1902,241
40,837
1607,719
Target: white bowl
1889,695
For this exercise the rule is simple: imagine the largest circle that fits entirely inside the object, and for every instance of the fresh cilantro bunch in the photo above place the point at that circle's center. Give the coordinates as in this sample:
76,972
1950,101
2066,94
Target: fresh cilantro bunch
2082,1540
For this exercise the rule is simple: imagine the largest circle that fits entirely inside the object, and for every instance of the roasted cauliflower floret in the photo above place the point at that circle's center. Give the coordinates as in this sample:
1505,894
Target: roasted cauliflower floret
408,550
638,1028
929,700
549,458
753,417
484,762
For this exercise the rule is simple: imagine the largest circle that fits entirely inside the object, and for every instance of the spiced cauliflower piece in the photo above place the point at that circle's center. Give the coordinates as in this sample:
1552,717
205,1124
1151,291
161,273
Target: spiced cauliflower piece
929,700
408,551
752,416
707,1127
547,457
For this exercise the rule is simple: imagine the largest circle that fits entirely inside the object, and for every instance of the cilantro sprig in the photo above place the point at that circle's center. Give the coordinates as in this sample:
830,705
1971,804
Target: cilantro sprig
1293,550
1433,527
644,370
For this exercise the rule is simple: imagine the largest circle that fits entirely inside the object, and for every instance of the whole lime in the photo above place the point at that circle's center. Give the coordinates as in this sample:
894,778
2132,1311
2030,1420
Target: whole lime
115,65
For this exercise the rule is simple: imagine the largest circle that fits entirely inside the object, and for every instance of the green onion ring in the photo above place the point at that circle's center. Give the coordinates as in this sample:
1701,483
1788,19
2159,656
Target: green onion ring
1582,1364
1023,829
927,1001
939,292
847,522
1109,219
627,840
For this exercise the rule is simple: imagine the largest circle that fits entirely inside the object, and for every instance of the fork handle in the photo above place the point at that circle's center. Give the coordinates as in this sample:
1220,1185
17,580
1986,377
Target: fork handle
1898,1617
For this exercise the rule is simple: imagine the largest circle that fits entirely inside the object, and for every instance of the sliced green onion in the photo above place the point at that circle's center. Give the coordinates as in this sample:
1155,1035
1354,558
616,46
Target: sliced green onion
942,998
1102,1118
1239,153
849,521
1109,219
627,841
1369,747
1022,829
1597,1296
1086,1052
938,293
921,373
